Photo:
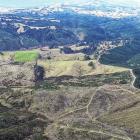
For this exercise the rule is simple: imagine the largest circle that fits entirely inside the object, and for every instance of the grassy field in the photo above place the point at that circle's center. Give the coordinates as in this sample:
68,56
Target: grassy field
76,68
62,64
25,56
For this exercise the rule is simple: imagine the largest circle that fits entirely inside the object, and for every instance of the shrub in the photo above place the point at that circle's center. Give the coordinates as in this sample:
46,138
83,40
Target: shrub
87,57
91,64
39,73
49,58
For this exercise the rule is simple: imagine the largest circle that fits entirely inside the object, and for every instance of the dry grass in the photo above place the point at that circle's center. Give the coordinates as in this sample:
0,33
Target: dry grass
59,68
64,64
129,119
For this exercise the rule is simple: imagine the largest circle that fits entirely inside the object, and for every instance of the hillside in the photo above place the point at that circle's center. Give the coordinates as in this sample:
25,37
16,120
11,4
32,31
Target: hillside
61,25
127,55
78,104
70,71
56,109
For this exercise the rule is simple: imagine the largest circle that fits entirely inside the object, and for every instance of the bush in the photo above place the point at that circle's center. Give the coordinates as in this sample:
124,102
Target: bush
39,73
49,58
67,50
91,64
87,57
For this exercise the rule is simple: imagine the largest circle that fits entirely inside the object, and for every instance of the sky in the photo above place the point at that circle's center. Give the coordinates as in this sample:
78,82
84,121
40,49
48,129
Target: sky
35,3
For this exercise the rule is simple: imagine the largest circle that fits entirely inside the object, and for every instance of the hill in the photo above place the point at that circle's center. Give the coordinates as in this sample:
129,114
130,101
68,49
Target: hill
65,72
67,24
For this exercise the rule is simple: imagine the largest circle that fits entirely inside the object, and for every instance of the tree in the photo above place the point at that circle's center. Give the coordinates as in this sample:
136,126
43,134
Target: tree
92,65
67,50
49,58
39,73
87,57
2,55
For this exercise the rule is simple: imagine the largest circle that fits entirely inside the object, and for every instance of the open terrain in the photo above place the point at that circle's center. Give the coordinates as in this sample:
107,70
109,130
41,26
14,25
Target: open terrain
70,72
75,100
25,56
59,64
56,107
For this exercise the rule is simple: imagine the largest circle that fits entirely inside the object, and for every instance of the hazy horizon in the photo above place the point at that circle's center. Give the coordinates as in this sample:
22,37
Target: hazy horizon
37,3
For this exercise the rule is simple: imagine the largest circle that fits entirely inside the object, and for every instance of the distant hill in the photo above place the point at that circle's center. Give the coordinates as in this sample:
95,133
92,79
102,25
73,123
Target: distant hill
61,25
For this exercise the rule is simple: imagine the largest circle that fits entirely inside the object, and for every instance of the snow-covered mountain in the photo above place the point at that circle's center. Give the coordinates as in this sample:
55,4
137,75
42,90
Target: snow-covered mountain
100,8
4,10
51,24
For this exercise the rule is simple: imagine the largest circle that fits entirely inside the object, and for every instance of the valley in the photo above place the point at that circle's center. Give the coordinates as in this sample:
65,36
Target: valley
71,92
70,72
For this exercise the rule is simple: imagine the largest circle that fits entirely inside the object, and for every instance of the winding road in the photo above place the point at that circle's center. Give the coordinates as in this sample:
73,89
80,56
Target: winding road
134,78
131,70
